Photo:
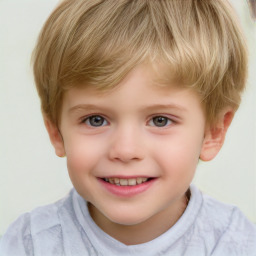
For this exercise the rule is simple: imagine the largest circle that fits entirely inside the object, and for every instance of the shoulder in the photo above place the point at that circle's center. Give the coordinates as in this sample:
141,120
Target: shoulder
21,236
17,239
232,232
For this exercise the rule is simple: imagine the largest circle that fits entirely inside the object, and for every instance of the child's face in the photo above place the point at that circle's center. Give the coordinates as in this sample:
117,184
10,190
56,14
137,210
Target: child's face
137,131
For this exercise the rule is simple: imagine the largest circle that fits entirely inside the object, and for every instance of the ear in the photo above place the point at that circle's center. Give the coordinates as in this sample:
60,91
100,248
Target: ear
55,137
215,135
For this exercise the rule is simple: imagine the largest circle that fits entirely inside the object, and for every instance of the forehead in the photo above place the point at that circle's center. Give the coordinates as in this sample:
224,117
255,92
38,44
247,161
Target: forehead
142,87
157,75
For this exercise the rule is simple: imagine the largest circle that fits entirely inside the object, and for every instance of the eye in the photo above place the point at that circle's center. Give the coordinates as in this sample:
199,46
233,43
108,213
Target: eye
95,121
160,121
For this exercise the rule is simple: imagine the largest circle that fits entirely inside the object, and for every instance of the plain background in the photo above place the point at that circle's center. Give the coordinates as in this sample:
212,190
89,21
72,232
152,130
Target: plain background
30,173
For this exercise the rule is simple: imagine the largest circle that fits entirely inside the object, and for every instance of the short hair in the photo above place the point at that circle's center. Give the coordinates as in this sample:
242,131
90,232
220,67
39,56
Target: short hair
99,42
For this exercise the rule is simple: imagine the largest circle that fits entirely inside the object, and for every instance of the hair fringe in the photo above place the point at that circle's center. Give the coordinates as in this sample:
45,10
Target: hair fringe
99,42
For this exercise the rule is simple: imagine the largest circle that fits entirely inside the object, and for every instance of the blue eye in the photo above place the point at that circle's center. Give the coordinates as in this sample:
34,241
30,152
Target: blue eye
95,121
160,121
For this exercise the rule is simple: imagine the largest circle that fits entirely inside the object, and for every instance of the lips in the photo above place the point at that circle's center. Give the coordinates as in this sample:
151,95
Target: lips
126,187
126,182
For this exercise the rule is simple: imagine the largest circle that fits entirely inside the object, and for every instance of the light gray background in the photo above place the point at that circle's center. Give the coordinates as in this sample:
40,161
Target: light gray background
30,173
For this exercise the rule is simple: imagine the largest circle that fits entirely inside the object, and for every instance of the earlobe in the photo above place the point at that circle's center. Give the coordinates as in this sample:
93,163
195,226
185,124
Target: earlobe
55,137
215,136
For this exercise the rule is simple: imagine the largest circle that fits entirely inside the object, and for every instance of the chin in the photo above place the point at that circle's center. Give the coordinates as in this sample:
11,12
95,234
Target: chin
123,214
128,219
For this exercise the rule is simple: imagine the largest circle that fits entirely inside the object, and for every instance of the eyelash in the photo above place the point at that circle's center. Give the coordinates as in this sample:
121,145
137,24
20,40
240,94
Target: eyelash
167,121
89,118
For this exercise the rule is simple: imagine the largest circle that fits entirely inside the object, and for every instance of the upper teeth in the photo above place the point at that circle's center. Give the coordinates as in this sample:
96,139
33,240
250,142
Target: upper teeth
126,182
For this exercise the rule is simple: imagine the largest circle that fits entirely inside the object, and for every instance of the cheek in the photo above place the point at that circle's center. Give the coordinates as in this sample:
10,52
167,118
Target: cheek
83,158
82,154
180,153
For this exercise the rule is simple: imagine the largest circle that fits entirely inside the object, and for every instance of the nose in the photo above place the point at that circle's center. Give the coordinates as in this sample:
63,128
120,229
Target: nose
126,145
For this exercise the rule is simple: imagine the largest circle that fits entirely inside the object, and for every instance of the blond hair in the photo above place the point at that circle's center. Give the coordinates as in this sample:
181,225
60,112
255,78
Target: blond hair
99,42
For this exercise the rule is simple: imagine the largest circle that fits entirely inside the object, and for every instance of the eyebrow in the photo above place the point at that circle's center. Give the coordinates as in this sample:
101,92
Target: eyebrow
85,107
150,107
166,106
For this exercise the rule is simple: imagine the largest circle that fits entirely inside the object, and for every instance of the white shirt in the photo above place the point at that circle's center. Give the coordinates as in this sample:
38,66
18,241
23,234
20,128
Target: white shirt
207,227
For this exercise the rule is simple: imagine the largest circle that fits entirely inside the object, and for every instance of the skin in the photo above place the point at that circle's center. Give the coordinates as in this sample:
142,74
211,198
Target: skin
129,141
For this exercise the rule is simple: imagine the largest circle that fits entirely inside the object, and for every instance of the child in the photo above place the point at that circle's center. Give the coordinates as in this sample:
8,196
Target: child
134,93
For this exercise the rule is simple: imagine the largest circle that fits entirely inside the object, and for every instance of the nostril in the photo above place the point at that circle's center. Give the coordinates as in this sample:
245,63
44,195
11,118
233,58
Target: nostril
126,145
125,156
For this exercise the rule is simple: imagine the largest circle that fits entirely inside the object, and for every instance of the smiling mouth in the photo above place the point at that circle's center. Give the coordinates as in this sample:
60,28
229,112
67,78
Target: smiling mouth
127,182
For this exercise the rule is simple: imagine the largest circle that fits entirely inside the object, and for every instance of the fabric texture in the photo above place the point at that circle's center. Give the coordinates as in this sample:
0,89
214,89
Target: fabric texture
207,227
